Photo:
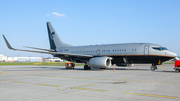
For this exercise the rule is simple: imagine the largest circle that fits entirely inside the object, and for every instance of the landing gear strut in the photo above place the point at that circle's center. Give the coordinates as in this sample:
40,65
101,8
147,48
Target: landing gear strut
153,67
86,67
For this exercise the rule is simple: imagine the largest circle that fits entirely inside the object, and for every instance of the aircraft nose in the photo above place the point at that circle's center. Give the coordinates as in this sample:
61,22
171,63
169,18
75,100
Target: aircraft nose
172,54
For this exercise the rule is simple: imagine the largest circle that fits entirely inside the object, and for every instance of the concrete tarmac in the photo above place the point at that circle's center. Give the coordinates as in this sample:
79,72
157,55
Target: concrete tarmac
52,83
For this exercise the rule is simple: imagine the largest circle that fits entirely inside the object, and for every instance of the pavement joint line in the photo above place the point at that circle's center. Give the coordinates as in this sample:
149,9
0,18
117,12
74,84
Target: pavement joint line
127,79
161,96
48,85
154,82
19,82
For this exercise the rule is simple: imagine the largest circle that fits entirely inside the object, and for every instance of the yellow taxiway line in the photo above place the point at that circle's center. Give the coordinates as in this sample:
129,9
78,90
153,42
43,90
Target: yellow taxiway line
19,82
2,80
127,79
171,97
79,87
88,85
88,89
48,85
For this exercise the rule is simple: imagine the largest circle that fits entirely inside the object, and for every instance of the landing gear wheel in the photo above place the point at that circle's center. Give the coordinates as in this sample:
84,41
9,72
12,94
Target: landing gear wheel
89,68
155,67
86,67
152,68
177,70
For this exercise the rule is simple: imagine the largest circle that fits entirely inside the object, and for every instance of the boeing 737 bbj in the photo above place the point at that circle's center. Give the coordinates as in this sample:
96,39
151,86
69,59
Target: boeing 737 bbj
103,56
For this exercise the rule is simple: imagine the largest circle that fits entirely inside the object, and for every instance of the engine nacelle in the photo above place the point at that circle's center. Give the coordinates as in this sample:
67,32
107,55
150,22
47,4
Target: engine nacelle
100,62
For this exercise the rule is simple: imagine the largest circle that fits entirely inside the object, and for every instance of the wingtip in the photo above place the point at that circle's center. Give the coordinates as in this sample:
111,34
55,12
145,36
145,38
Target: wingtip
7,43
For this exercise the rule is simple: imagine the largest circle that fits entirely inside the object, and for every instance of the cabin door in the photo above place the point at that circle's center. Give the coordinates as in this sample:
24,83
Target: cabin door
146,50
98,52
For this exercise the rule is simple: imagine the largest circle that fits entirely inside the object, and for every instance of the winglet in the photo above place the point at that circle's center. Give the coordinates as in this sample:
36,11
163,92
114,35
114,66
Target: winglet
7,43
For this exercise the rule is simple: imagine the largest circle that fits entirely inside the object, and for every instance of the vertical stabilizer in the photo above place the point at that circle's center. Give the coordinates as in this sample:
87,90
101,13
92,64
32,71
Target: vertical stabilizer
54,39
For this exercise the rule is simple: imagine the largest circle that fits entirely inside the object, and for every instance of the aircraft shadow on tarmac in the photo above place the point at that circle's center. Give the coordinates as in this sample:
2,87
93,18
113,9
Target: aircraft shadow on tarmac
166,71
92,69
98,69
44,68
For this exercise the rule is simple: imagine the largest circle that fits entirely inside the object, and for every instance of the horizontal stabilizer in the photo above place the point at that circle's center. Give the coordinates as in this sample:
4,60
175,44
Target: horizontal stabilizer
45,52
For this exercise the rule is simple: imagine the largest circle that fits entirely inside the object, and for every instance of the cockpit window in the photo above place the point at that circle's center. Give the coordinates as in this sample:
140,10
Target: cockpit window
159,48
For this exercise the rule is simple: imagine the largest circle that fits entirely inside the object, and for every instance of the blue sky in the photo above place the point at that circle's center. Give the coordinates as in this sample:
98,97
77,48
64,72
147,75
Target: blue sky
89,22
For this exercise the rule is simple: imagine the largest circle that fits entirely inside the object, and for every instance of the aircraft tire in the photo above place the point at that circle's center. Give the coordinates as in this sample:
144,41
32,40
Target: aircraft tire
86,67
153,68
177,70
89,68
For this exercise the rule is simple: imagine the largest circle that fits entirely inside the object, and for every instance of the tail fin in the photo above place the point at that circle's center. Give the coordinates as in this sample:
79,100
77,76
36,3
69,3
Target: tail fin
54,39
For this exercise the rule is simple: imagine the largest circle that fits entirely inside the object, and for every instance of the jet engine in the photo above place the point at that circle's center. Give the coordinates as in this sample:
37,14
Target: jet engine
100,62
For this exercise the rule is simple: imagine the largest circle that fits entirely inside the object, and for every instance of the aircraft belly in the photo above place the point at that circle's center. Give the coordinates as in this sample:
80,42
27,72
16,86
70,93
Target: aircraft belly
141,59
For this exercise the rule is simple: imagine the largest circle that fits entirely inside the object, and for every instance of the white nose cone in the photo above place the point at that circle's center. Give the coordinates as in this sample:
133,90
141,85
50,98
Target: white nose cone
171,54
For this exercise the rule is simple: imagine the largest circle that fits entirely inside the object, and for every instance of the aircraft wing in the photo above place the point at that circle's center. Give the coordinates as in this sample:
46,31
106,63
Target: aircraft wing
50,50
45,52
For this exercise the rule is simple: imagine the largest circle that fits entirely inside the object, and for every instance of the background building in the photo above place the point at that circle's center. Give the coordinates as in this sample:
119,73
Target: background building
4,58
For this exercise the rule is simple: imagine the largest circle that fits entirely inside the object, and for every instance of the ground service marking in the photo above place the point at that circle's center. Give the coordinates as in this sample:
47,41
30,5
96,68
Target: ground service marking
88,85
89,89
48,85
2,80
78,87
19,82
125,79
96,78
152,95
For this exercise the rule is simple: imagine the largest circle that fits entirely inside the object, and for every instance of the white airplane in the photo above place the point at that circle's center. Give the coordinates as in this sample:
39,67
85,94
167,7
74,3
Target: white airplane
103,56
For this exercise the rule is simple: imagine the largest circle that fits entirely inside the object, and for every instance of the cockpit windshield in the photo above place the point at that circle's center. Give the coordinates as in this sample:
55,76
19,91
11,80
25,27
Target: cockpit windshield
160,48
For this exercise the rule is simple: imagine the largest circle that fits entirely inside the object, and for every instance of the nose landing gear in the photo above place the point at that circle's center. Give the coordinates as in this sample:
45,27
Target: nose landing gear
153,67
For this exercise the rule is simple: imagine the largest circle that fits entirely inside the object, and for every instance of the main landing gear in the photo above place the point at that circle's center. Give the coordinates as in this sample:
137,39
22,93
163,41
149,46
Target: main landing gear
86,67
153,67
